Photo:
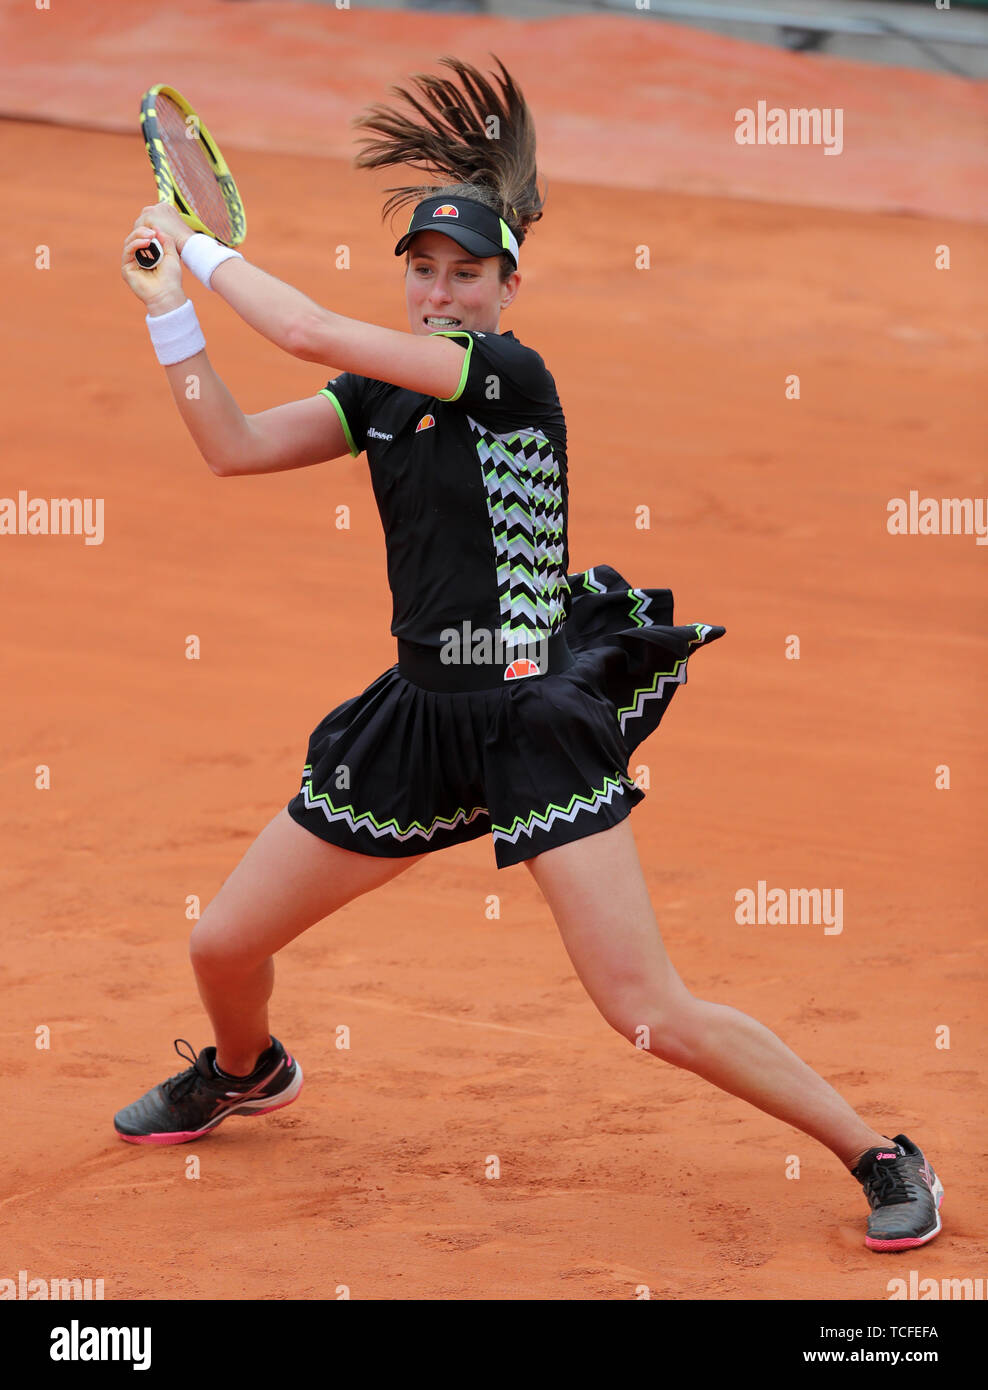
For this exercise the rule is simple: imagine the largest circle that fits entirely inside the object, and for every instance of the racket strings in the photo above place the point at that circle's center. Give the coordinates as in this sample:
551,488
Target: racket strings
192,170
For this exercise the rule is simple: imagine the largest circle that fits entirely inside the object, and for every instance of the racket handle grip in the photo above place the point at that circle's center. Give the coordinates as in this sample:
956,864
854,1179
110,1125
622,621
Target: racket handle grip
147,257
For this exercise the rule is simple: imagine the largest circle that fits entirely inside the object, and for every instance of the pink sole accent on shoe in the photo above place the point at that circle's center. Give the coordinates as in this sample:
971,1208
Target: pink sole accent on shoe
179,1137
908,1243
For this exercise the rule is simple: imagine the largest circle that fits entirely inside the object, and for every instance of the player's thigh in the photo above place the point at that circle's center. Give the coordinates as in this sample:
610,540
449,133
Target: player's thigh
288,880
597,894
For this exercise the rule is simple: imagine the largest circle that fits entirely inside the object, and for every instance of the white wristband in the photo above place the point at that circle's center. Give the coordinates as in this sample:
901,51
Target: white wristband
176,335
201,254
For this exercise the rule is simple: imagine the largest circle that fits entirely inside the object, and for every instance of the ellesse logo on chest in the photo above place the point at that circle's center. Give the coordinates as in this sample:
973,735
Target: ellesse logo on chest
427,422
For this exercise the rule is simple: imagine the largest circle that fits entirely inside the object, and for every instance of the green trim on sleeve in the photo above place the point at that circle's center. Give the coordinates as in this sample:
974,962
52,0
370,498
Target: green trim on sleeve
457,333
346,428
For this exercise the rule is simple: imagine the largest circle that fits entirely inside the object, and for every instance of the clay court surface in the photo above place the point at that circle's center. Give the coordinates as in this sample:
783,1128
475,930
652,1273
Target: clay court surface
470,1036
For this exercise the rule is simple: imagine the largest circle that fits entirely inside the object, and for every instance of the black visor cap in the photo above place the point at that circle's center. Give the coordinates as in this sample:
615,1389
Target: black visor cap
478,229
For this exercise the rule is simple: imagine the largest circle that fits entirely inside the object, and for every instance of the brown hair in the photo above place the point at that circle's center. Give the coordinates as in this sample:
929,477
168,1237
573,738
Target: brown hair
451,139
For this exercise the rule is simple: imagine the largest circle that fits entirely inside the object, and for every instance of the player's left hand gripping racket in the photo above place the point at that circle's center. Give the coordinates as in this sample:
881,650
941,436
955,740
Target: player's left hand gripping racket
189,170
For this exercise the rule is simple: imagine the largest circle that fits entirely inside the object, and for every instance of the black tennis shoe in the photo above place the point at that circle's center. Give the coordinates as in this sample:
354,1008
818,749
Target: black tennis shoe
905,1196
193,1102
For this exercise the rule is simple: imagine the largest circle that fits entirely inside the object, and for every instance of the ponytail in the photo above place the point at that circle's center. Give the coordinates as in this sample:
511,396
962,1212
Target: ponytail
480,139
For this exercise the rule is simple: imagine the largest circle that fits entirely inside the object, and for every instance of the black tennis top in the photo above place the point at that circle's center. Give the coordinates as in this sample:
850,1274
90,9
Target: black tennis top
471,491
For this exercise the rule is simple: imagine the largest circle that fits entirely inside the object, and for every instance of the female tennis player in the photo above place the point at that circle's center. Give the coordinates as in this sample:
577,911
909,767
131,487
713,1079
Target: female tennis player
519,692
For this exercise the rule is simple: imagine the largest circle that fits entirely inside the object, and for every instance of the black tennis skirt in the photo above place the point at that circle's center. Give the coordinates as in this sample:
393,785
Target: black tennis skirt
421,760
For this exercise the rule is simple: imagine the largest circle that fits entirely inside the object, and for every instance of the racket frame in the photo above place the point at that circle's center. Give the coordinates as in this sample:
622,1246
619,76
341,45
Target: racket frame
168,189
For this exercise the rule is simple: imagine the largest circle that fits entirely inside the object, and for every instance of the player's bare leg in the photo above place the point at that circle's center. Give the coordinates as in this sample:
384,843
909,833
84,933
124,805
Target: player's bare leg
288,880
597,894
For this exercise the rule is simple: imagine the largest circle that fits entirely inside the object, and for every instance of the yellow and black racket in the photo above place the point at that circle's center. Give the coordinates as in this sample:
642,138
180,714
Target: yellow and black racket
189,170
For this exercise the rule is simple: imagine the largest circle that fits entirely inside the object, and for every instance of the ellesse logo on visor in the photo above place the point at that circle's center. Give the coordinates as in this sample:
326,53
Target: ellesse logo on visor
447,210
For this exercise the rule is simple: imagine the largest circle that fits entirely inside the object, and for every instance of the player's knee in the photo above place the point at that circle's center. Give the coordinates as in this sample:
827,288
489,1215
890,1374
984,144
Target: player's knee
214,948
669,1033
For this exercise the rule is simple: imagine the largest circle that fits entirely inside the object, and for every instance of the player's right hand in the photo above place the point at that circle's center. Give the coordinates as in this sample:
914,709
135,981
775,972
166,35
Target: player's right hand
164,281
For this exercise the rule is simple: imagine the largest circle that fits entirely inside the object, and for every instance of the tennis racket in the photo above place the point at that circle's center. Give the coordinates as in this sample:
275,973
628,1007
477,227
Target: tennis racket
189,170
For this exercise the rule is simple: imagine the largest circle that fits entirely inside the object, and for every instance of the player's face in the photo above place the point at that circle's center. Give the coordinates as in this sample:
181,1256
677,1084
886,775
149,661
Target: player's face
444,282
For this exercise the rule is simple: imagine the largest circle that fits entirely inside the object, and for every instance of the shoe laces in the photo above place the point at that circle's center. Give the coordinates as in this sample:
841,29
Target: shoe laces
889,1186
184,1081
